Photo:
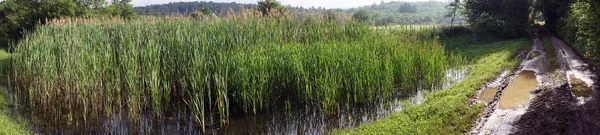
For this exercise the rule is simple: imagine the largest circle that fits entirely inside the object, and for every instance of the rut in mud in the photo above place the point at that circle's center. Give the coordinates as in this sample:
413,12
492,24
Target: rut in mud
536,99
570,108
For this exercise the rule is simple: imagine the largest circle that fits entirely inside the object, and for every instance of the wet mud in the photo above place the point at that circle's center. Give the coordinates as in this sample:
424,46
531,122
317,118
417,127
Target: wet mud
515,93
571,106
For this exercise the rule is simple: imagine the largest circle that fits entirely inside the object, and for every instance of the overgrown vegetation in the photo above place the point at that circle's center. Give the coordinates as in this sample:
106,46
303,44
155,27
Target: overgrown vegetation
502,18
448,111
18,16
384,13
85,70
9,126
576,21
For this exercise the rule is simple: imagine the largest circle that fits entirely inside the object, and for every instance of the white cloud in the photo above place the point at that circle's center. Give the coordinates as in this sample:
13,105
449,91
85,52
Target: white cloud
304,3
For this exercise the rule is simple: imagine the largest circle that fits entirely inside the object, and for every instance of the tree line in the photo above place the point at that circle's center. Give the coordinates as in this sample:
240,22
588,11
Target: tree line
384,13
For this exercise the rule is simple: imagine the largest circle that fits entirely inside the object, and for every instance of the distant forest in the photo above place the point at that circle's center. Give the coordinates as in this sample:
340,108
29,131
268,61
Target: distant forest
384,13
396,12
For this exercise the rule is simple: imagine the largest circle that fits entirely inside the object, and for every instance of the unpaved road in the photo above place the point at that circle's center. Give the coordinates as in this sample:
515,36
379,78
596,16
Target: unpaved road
564,100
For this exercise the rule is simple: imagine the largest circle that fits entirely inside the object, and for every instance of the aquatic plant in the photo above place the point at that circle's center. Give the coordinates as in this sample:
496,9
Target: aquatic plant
78,71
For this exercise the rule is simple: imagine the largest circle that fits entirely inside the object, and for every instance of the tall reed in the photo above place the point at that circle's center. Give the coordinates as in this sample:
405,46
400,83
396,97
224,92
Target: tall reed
90,69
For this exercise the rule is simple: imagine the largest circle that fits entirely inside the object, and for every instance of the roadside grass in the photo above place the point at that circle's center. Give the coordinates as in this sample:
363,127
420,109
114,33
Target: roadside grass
7,125
448,111
551,51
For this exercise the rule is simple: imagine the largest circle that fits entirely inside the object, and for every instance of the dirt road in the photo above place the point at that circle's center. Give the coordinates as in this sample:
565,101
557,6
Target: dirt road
572,106
551,101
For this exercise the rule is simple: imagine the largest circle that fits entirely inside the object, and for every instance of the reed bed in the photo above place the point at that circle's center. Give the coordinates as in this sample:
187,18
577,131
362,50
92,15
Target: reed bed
77,72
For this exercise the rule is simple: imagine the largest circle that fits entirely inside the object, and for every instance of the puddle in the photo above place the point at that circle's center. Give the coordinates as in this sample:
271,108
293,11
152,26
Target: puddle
518,92
534,54
488,94
579,88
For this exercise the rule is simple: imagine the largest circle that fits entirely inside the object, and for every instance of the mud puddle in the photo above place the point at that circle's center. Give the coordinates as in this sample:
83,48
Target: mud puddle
518,92
579,87
488,94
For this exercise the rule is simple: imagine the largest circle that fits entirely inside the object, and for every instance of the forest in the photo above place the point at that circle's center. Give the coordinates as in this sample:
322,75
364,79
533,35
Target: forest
380,14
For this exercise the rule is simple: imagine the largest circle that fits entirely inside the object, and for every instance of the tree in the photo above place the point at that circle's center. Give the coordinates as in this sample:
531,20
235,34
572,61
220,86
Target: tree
206,11
504,18
407,8
268,6
362,15
122,8
453,8
18,16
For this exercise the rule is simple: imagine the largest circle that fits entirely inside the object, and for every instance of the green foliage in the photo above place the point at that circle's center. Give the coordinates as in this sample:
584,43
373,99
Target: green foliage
216,67
580,26
9,126
362,15
407,8
385,13
269,7
454,9
576,21
504,18
404,13
448,111
184,8
18,16
204,12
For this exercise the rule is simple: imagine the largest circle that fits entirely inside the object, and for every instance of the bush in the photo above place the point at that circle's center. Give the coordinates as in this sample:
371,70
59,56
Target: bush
582,24
504,18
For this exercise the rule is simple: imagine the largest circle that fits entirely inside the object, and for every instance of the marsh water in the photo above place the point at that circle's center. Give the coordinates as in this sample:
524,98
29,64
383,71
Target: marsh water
294,119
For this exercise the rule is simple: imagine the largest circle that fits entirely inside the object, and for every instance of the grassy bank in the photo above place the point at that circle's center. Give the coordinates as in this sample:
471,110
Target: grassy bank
81,71
8,125
448,112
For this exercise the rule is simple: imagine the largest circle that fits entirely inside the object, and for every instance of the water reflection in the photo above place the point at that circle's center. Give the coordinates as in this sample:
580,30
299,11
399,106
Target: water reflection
296,120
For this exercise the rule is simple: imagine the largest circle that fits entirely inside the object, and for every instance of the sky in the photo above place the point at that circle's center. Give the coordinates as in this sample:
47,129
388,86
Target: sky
304,3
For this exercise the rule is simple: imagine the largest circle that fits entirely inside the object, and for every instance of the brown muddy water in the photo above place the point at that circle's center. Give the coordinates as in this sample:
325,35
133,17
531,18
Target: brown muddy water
488,94
295,119
518,92
579,88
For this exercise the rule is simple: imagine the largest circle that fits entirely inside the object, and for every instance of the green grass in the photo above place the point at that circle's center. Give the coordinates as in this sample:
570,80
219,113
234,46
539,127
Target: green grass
86,71
8,125
447,111
551,52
